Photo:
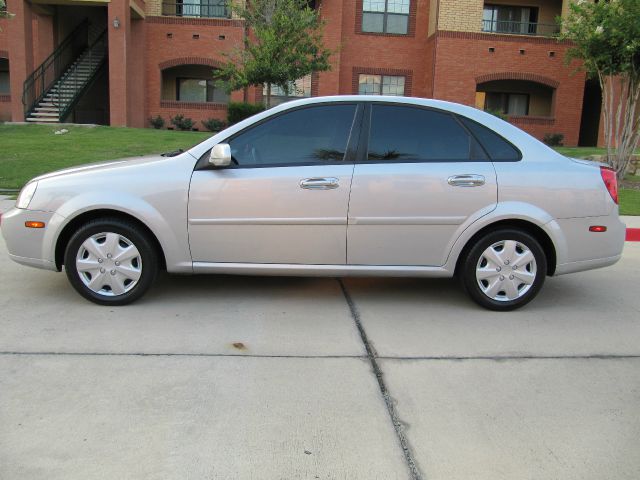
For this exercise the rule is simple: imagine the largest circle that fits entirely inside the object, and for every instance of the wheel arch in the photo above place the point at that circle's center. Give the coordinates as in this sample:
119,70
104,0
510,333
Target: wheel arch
76,222
518,224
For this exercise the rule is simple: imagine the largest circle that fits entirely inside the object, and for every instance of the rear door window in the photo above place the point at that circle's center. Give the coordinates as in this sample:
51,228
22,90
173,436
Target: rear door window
401,133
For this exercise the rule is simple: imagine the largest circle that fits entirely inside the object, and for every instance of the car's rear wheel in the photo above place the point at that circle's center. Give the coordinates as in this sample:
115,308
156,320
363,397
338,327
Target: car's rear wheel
110,261
504,270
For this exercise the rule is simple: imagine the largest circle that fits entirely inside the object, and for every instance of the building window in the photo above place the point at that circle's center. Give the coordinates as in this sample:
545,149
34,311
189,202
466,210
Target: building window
385,16
196,8
380,85
507,103
300,88
199,90
4,76
510,19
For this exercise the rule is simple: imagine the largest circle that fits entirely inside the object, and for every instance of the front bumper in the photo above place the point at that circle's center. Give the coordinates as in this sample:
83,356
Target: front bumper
30,246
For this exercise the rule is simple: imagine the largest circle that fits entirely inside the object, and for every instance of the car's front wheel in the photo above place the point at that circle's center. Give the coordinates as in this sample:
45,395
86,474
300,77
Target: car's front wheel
504,270
110,261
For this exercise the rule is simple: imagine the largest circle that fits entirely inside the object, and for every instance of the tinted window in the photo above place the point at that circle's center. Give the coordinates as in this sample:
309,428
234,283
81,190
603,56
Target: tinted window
496,146
401,134
311,135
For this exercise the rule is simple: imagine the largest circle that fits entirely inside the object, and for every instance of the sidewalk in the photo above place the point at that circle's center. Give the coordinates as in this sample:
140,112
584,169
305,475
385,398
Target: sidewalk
631,222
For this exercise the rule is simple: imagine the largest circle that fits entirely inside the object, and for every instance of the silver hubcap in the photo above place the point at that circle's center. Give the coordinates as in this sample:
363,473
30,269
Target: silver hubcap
109,264
506,270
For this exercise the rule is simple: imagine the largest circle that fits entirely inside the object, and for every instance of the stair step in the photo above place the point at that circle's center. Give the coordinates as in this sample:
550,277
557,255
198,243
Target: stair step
48,120
46,110
46,114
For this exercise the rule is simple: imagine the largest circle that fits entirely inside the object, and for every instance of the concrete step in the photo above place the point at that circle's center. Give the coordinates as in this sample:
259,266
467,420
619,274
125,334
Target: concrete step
46,114
44,120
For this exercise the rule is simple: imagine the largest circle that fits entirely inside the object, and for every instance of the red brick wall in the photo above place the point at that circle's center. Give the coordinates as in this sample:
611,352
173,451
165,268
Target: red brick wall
175,41
136,75
381,51
446,65
461,58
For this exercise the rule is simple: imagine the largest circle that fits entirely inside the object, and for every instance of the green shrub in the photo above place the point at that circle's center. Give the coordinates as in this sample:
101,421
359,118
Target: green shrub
213,124
156,122
182,123
499,114
553,139
238,111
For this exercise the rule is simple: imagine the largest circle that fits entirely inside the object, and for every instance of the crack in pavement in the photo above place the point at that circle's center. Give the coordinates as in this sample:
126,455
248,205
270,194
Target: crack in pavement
169,354
454,358
372,356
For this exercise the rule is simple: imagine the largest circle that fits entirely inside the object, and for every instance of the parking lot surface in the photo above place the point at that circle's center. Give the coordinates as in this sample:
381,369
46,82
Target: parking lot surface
214,377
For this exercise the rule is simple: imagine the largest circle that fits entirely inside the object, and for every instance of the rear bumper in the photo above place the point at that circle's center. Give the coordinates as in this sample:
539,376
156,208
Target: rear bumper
585,250
29,246
583,265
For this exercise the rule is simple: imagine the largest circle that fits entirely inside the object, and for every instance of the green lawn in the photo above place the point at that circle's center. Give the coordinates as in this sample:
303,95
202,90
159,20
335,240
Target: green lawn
30,150
580,152
629,201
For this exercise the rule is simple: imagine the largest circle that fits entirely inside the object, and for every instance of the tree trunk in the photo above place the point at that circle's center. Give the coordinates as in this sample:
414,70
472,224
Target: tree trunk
621,119
268,96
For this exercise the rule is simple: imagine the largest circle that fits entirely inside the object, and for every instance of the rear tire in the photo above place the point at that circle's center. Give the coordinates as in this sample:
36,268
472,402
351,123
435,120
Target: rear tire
504,270
111,261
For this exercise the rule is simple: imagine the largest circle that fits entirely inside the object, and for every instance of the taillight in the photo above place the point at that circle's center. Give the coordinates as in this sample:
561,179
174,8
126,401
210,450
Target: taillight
610,181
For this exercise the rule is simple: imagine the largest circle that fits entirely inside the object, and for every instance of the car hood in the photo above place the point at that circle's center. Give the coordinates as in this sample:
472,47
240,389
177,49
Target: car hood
102,166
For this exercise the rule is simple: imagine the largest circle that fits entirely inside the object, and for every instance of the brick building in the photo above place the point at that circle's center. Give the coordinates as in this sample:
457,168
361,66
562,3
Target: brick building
120,62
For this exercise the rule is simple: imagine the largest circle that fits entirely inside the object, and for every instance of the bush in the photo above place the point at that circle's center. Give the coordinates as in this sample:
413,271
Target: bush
182,123
553,139
238,111
213,124
499,114
157,122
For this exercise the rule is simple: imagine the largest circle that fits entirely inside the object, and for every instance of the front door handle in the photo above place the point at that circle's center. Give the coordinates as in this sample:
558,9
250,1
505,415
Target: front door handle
466,180
317,183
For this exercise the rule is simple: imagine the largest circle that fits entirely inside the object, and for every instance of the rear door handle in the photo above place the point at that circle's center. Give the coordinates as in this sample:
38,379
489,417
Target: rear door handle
466,180
319,183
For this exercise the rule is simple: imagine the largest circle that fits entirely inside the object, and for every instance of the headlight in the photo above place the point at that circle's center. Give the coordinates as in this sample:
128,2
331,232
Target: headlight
26,194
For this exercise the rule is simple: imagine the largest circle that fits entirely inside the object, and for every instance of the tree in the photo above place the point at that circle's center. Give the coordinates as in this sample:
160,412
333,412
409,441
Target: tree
606,37
3,11
284,44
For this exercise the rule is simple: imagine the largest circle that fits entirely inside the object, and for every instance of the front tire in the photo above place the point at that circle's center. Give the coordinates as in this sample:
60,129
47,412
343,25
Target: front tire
504,270
110,261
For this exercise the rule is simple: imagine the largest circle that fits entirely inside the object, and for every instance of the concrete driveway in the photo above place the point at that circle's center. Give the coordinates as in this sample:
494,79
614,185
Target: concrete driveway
216,377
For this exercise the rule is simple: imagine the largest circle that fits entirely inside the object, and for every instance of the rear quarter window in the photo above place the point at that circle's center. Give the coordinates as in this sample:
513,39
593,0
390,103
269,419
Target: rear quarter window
498,149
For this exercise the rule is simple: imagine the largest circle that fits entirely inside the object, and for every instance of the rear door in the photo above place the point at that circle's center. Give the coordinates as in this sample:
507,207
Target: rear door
421,176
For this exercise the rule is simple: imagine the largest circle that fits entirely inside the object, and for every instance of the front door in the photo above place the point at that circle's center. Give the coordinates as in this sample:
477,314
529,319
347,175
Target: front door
285,197
423,175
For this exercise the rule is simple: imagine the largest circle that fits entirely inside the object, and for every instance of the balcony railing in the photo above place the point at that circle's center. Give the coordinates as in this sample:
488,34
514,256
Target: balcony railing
520,28
198,9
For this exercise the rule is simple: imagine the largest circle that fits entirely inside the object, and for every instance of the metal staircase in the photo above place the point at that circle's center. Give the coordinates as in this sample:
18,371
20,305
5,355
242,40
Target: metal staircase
55,87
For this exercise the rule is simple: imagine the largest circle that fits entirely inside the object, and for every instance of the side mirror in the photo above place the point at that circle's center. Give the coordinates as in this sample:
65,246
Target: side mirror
220,155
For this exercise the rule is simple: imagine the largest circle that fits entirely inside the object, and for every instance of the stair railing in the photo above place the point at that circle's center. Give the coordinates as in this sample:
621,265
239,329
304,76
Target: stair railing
44,76
73,84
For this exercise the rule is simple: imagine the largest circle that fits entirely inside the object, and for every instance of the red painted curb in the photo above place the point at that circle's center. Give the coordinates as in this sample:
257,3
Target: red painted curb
633,235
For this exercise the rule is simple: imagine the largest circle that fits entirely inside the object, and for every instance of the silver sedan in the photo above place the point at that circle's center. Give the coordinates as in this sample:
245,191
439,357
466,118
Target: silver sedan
331,186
